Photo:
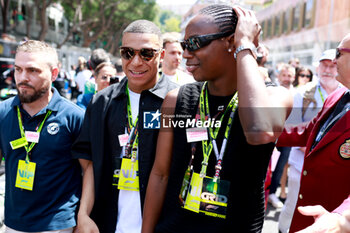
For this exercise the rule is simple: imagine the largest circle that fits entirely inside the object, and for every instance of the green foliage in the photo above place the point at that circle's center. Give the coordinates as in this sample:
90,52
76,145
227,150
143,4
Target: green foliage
168,21
172,25
105,18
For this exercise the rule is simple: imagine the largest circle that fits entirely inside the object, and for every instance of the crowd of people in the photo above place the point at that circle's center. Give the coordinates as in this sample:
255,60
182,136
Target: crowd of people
103,160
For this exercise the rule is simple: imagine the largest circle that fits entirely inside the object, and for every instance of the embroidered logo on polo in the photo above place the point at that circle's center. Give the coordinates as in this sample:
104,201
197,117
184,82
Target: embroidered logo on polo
151,120
344,149
53,128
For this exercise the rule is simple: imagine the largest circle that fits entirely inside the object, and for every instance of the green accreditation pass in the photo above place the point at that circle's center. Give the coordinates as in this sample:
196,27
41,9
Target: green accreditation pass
127,177
204,196
25,175
185,185
214,197
192,201
18,143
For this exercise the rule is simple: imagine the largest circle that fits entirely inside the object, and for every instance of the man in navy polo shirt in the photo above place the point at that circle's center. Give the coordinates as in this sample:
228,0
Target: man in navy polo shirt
37,128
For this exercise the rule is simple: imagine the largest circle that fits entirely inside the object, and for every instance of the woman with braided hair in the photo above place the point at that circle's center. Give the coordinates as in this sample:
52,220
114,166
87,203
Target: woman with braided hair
211,178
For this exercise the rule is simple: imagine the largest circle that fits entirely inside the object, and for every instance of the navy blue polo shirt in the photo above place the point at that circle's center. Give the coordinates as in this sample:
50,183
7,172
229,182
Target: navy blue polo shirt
52,203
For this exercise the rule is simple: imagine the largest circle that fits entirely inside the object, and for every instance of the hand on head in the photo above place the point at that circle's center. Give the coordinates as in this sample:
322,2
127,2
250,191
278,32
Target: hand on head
247,29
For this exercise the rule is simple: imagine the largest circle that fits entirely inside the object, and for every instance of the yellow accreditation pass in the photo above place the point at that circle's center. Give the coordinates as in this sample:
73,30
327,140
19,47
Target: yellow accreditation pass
193,197
25,175
18,143
129,175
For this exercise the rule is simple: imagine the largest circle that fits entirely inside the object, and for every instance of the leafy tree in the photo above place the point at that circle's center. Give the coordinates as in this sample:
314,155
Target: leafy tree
5,4
168,21
29,17
105,20
41,6
172,25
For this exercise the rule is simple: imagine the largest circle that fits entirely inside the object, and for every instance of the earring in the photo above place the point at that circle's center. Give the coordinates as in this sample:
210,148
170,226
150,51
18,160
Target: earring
229,50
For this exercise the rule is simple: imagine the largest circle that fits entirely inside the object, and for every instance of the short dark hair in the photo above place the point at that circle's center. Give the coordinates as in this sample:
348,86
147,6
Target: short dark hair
34,46
144,26
101,66
97,57
170,37
223,15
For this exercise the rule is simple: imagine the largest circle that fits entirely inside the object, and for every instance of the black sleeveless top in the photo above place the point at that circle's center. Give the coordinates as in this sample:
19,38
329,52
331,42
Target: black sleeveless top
244,165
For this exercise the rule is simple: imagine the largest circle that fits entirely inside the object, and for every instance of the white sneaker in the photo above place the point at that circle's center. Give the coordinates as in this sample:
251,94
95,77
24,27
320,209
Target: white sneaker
275,202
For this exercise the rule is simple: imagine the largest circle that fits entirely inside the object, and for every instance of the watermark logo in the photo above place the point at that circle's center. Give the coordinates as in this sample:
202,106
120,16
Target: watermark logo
151,120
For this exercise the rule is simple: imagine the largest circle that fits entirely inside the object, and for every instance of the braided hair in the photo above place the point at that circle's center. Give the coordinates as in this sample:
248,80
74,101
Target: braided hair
223,15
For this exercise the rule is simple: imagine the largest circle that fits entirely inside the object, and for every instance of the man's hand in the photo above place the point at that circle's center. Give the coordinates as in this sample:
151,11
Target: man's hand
344,222
86,225
247,29
325,222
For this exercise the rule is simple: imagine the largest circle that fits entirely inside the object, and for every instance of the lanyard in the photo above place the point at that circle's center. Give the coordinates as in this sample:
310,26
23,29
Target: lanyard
208,147
334,117
319,91
128,107
28,149
132,127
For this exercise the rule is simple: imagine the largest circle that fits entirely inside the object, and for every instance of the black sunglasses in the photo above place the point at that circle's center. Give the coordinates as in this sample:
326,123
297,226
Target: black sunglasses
338,50
145,53
305,75
106,77
196,42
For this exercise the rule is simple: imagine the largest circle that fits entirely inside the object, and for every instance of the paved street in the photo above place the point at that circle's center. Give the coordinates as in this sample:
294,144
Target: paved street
271,217
271,220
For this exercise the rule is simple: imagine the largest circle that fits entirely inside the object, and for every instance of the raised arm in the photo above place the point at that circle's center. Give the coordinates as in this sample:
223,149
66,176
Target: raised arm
262,110
158,180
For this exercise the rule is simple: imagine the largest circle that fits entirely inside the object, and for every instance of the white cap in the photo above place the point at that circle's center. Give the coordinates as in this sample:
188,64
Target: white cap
328,54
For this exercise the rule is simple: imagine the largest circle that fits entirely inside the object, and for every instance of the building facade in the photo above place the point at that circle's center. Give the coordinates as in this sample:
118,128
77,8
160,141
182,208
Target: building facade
303,28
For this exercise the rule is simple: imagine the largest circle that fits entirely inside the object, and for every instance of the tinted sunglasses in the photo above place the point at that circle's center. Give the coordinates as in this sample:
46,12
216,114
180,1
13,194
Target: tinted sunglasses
106,77
196,42
304,75
338,50
145,53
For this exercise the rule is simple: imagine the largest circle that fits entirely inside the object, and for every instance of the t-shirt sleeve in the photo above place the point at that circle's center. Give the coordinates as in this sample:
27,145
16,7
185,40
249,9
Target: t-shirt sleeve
81,148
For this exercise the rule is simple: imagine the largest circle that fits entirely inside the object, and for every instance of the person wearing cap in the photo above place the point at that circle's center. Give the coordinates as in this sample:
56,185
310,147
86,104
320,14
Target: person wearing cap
308,101
324,185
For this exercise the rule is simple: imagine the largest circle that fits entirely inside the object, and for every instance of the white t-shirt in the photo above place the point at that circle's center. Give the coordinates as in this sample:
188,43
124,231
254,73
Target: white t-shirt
180,78
81,78
129,202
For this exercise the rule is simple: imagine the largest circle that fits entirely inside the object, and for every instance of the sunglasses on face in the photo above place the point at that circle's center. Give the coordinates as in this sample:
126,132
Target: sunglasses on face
305,75
145,53
196,42
339,50
111,79
106,77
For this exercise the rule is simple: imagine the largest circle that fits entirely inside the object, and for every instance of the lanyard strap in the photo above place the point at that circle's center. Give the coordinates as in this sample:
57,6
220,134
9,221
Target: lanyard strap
319,91
128,108
28,149
209,146
223,146
131,145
